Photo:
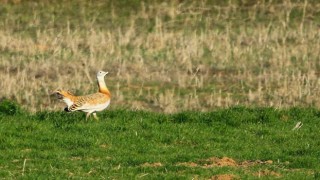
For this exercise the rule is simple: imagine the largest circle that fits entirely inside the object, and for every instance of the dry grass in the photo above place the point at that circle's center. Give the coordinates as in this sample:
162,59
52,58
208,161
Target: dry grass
165,56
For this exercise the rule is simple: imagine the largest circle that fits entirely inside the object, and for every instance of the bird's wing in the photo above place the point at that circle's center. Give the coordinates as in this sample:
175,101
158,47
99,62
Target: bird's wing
88,101
80,101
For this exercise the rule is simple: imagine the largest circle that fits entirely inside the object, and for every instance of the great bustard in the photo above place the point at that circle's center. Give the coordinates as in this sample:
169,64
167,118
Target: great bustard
91,103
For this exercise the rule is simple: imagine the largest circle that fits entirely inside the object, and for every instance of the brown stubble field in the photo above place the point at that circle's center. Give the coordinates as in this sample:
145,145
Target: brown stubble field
162,56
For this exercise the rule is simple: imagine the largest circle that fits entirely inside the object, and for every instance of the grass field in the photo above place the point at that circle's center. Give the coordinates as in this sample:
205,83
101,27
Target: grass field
238,143
163,56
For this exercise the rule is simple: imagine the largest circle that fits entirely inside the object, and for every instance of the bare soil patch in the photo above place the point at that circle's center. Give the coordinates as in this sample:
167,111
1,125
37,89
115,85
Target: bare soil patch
223,177
224,161
229,162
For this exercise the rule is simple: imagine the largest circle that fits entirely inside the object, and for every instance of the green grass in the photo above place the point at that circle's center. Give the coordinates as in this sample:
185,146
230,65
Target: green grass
62,145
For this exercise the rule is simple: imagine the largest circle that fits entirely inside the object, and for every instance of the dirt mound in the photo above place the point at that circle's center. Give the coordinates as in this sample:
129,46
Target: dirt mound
223,177
221,162
225,161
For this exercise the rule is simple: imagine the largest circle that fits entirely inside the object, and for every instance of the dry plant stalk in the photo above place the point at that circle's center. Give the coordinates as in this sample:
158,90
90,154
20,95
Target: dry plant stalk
177,65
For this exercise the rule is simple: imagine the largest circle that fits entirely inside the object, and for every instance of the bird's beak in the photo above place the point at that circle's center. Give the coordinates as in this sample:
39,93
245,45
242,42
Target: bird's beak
105,73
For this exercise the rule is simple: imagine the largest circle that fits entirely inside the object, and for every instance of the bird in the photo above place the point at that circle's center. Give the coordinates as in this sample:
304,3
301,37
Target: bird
90,103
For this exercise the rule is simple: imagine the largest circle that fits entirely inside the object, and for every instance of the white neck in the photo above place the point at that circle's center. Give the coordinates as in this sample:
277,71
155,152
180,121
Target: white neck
102,85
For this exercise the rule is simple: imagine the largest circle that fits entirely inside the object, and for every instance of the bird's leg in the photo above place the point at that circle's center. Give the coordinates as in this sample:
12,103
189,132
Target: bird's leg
88,115
95,116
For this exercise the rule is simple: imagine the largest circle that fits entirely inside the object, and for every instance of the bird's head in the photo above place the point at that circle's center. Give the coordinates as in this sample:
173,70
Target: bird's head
60,94
101,74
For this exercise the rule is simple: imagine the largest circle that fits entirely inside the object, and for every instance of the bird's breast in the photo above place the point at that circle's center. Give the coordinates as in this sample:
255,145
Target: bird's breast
68,101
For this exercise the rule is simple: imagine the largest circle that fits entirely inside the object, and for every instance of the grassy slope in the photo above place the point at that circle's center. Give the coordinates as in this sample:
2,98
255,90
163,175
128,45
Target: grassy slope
118,146
162,56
